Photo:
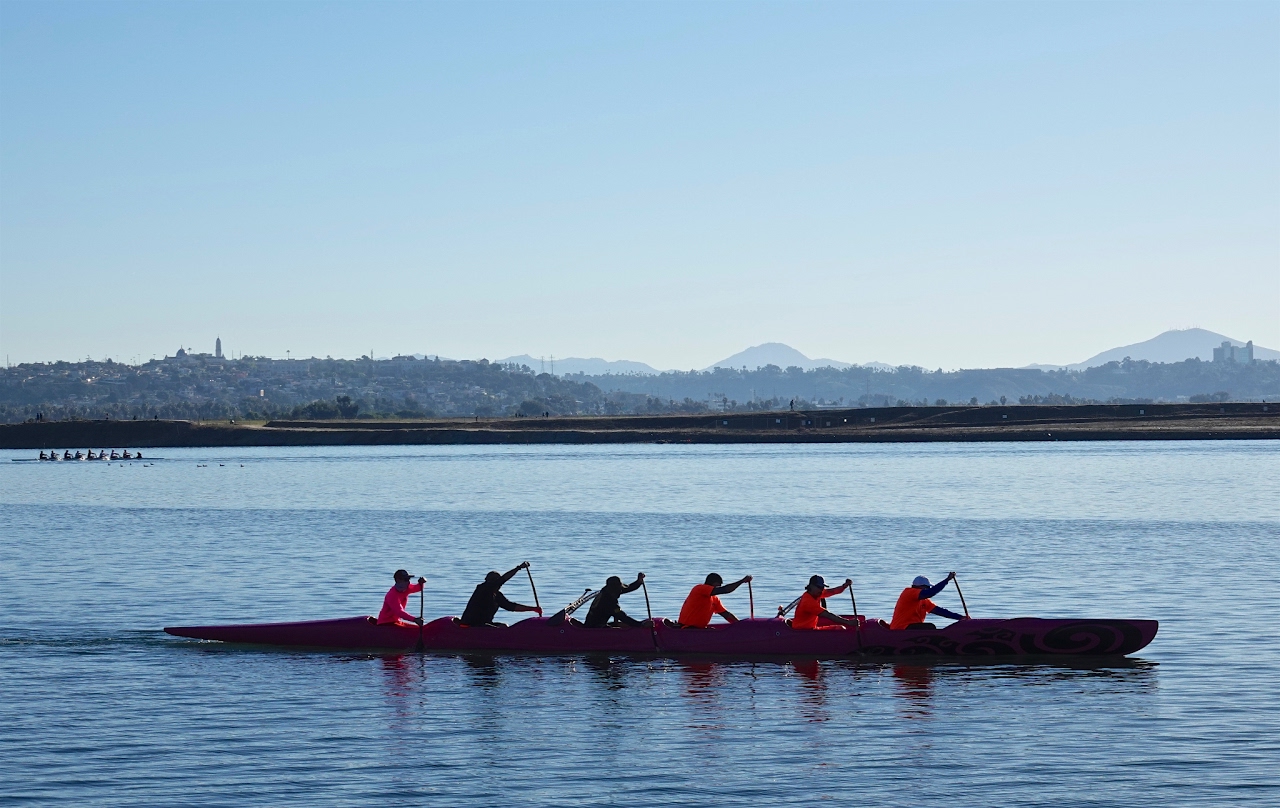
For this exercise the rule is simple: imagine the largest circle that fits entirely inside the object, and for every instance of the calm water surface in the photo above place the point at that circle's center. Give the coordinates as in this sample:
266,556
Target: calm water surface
100,707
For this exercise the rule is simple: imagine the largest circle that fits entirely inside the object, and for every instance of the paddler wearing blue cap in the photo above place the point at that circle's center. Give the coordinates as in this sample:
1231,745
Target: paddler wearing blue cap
914,604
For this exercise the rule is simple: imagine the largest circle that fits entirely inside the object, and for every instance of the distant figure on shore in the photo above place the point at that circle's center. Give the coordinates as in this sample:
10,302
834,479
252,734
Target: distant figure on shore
397,598
605,611
793,405
914,604
487,599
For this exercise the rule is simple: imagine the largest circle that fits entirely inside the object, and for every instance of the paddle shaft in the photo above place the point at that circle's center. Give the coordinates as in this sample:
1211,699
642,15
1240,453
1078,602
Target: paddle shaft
422,611
857,624
653,629
751,597
783,612
534,588
963,605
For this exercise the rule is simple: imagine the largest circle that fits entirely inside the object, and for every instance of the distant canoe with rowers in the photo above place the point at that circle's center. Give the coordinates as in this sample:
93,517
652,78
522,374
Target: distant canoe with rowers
751,637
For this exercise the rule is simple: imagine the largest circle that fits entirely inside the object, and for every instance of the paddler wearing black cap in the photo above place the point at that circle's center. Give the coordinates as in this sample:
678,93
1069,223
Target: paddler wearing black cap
397,598
810,607
605,610
488,599
914,604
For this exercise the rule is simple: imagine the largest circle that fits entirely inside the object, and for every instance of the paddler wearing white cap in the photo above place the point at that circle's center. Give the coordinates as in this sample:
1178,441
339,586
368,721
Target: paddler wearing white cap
914,604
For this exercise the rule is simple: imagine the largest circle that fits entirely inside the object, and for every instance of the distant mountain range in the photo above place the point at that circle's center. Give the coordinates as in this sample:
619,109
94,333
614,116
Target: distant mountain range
784,356
574,365
1171,346
770,353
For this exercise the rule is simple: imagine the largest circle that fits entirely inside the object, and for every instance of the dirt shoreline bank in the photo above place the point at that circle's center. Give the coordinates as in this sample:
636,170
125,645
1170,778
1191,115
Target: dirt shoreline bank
1252,421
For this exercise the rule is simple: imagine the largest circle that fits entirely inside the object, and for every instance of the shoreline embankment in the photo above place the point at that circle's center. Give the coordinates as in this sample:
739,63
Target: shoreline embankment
1100,422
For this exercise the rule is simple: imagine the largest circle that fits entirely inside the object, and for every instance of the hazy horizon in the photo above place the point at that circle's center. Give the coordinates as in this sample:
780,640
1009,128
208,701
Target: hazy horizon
1157,349
944,185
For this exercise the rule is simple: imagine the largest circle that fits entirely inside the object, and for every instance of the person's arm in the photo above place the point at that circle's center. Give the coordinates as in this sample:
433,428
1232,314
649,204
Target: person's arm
935,589
826,593
512,572
727,588
512,606
835,618
728,615
947,613
415,588
631,587
392,605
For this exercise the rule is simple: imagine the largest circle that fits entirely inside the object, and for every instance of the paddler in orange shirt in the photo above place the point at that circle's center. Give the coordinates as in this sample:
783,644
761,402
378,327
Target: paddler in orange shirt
703,602
914,604
397,598
810,606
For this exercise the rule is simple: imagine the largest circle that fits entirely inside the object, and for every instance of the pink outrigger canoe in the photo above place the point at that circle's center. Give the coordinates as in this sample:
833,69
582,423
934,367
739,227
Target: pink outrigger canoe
748,638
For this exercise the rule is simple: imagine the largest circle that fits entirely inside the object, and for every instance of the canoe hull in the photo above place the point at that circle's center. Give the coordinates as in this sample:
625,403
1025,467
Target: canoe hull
1017,637
351,633
1021,636
538,635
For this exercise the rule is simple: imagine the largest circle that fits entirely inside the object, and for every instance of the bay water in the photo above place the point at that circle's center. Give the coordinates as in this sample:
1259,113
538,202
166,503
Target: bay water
98,706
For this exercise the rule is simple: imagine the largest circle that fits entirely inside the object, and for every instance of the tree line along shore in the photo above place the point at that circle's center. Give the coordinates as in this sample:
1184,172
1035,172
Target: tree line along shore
202,387
1217,421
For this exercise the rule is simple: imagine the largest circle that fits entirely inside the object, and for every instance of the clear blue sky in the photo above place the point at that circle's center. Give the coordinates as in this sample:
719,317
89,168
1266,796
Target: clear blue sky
953,184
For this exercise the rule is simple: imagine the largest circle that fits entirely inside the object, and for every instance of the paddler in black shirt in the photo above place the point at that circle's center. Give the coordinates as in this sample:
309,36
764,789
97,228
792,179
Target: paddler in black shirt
605,607
488,599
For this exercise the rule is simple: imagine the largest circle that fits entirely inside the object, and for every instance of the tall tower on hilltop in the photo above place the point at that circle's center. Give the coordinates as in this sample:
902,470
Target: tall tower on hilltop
217,348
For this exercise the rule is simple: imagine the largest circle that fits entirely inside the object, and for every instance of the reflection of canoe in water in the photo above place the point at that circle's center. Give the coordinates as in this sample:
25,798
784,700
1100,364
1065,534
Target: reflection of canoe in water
755,637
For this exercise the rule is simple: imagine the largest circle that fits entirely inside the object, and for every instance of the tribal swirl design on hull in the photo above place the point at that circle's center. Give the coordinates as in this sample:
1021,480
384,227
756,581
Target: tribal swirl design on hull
1086,637
1019,637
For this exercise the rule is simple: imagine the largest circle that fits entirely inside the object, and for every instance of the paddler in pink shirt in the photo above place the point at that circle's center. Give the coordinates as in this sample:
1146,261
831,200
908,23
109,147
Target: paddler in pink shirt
397,598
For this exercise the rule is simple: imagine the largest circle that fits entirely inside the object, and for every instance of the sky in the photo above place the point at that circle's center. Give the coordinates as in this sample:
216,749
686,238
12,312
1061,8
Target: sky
954,184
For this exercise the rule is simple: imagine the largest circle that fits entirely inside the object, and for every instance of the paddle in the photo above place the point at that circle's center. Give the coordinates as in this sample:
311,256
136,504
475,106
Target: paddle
752,597
857,623
782,612
956,581
531,586
652,628
422,610
587,595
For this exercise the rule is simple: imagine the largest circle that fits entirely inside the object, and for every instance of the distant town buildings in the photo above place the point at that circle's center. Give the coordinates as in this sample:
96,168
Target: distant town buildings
1242,354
